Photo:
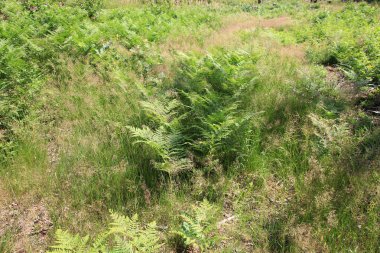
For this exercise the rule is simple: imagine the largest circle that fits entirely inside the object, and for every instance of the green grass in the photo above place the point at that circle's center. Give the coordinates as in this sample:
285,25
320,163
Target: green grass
111,108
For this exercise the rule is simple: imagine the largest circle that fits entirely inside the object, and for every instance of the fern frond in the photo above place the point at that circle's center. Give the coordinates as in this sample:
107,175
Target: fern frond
99,242
174,166
197,226
127,234
167,145
131,237
123,225
162,113
66,242
154,139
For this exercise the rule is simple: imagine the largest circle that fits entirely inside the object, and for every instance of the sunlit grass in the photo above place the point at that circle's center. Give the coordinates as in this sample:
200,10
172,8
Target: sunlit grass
268,136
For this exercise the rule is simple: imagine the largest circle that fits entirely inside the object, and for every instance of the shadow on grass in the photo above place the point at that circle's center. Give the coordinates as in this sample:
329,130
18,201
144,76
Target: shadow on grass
343,208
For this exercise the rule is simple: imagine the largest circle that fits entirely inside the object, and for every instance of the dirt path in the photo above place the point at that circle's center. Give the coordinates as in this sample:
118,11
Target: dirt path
227,35
233,25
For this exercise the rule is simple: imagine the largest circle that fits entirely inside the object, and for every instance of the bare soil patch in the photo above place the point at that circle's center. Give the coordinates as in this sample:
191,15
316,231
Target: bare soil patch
29,225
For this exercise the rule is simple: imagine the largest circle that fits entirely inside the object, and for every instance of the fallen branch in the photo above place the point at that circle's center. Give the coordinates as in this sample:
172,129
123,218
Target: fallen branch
222,222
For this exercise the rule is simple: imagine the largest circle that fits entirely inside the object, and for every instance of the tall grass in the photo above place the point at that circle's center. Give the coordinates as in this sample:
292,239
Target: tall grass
94,117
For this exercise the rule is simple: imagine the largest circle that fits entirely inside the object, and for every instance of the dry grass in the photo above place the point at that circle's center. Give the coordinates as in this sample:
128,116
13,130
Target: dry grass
5,196
121,3
235,24
82,117
303,237
227,35
292,51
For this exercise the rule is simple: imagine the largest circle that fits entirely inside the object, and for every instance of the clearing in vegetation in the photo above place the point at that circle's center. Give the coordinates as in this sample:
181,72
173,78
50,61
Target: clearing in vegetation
225,126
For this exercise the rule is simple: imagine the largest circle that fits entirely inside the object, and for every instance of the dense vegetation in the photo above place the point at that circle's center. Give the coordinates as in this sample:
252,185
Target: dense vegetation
223,126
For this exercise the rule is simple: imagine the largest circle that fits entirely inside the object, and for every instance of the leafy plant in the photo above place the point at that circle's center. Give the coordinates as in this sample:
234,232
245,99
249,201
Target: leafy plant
197,226
166,139
124,235
349,38
39,39
202,115
331,135
92,6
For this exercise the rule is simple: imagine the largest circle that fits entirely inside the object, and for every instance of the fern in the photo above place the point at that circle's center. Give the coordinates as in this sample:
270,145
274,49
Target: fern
167,145
204,116
218,128
163,114
130,237
65,242
166,140
331,134
126,233
196,227
157,140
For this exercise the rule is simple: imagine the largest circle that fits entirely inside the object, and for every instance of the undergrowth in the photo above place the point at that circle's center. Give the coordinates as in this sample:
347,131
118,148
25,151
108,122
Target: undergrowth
263,147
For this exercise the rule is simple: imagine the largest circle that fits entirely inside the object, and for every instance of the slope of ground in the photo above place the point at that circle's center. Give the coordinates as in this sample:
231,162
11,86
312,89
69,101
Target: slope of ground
295,171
